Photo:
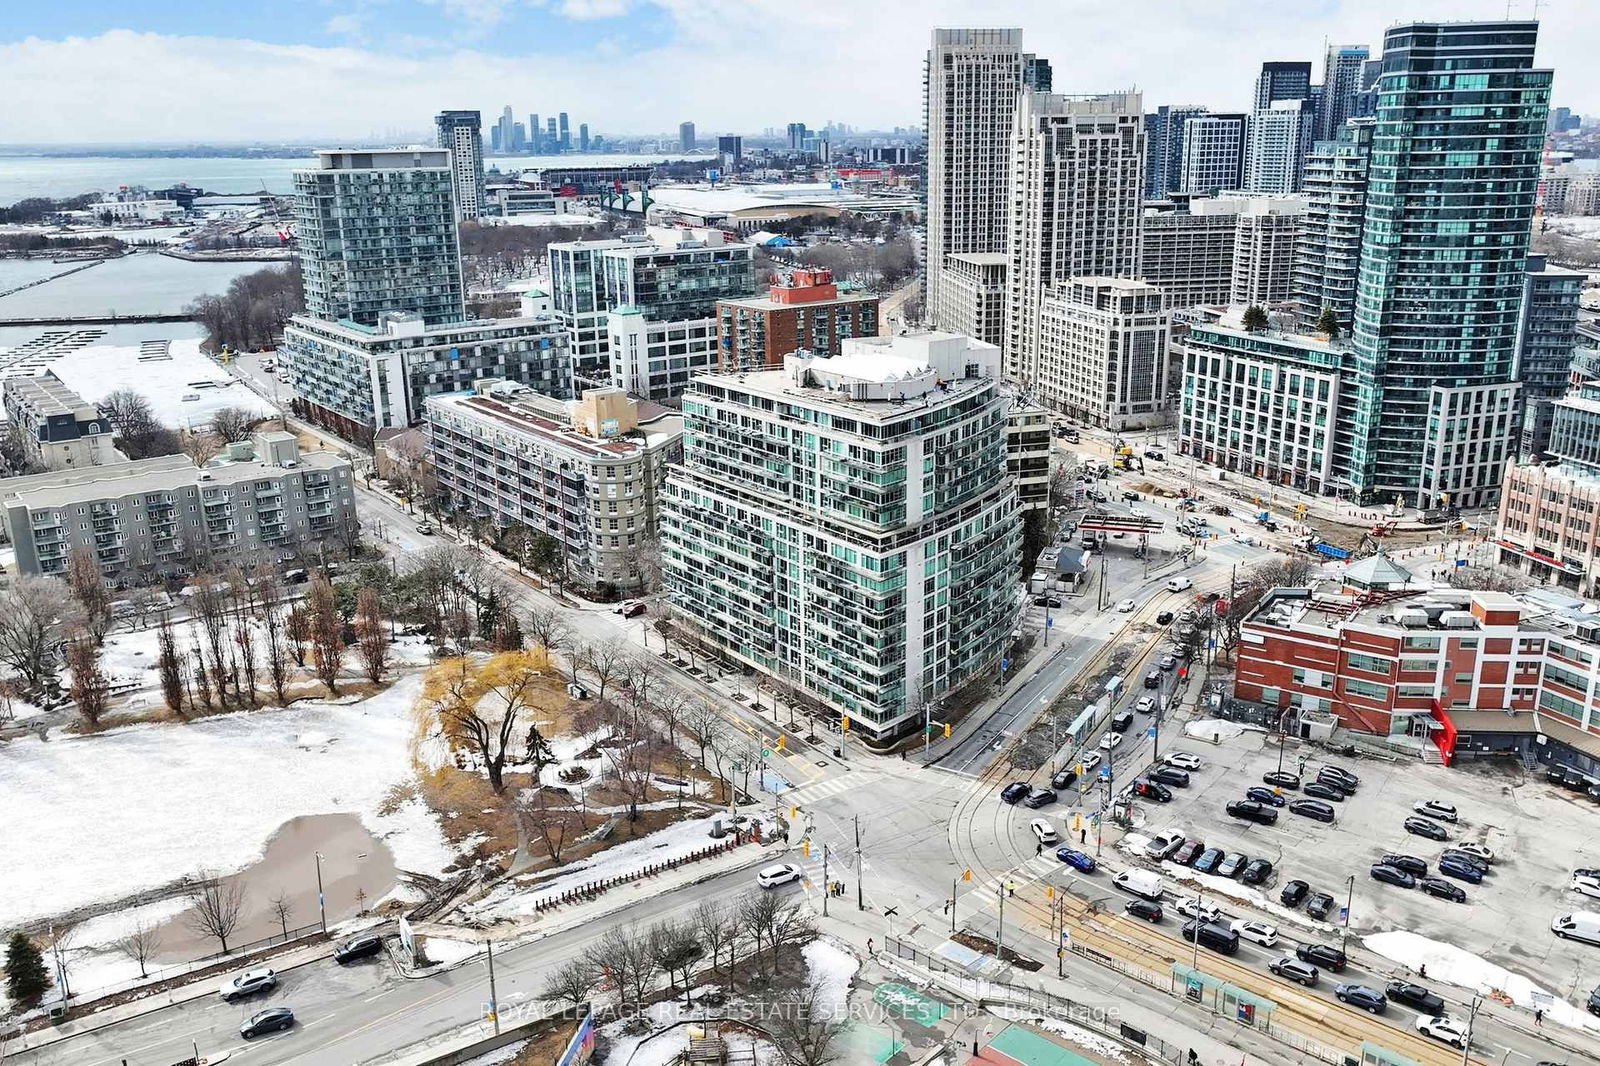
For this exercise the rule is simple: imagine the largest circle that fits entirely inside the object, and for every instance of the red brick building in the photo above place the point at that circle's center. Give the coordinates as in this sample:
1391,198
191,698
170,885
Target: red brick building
805,310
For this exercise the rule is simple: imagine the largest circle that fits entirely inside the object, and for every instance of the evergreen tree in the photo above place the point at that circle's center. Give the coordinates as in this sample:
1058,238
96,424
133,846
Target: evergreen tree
1328,323
1255,318
26,977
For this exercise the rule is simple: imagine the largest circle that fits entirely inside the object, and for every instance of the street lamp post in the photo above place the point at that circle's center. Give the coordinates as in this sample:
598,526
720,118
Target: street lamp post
1472,1015
322,906
1199,905
1349,900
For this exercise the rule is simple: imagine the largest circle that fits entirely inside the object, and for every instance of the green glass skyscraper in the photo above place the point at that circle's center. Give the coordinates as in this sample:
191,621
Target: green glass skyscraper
1455,155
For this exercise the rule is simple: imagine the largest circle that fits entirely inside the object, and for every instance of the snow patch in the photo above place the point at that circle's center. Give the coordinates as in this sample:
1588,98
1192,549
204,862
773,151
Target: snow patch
442,951
1218,729
1076,1034
498,1056
831,969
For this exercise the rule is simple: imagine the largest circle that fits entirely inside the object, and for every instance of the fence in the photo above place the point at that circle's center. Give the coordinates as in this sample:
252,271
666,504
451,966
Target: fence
182,969
584,893
984,991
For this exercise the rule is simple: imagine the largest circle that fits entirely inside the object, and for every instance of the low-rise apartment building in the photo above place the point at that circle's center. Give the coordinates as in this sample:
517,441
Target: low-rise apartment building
803,311
586,472
1549,521
262,500
59,429
1474,672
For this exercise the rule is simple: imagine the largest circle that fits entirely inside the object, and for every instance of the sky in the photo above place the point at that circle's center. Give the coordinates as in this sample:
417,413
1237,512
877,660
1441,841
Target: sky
185,71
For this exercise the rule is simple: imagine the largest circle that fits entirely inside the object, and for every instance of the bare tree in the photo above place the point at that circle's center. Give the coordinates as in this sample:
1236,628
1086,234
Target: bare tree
218,907
702,720
372,636
277,650
553,823
280,908
571,983
145,604
297,627
718,928
208,608
481,708
607,661
89,688
232,423
623,954
201,447
139,944
327,634
545,627
34,613
804,1026
674,949
88,583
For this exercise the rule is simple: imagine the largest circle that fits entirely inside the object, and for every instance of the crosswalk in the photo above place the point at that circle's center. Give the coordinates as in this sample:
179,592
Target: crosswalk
986,895
831,786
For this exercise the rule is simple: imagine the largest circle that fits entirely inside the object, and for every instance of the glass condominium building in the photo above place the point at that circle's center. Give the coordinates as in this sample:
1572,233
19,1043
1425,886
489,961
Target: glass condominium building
1452,172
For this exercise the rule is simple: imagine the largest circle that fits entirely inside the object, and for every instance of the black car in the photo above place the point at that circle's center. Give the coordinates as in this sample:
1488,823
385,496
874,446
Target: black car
1322,812
1143,908
1122,721
1439,887
1281,779
1171,775
1423,827
1368,999
1251,811
271,1020
1064,777
1594,1002
1264,795
1321,955
1256,871
1466,858
1164,618
1340,776
1293,892
1409,863
1187,853
1391,875
1153,790
1461,871
1319,905
1152,679
1209,860
1323,790
1212,935
358,947
1046,601
1040,797
1415,996
1014,792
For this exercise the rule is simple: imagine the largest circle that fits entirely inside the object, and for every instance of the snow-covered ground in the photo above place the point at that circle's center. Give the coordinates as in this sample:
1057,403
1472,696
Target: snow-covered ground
442,951
1573,226
1214,887
141,806
98,370
1452,965
498,1056
1209,728
832,969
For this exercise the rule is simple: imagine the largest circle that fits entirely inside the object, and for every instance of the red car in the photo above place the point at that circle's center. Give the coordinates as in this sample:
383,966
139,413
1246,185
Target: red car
1186,854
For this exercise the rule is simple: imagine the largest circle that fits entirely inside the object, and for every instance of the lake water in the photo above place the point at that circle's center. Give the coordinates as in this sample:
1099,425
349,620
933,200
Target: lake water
24,176
140,284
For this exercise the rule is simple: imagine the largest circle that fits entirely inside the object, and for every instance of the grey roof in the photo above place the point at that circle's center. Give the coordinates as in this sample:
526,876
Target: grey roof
1377,570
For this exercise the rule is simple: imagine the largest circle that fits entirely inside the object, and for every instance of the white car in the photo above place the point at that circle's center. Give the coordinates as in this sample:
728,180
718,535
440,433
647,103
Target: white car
1477,850
1190,907
1445,812
1043,830
1164,844
1263,933
247,983
1182,760
1144,705
1244,538
1127,606
1585,885
1110,740
1089,761
1444,1027
781,874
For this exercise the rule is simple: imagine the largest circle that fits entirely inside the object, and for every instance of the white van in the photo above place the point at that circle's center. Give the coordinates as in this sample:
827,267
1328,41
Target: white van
1140,883
1179,584
1580,925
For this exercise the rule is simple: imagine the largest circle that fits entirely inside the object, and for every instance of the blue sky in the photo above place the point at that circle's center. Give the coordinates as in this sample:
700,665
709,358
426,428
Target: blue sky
297,70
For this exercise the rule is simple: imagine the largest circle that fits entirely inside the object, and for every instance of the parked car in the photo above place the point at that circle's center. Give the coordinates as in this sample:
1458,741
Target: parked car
1046,601
1078,860
1163,845
1151,453
247,984
1152,679
1409,863
1187,852
1324,790
1256,871
271,1020
1164,618
425,528
1251,811
1444,812
1130,496
1143,908
1232,864
1328,958
1593,1003
1473,848
1260,794
1063,777
1171,775
1183,760
1442,889
1167,663
1127,606
1344,778
1319,906
1154,790
1281,779
1145,705
1039,797
1043,831
1422,827
1415,996
1444,1027
1322,812
1190,907
359,946
1391,875
1292,969
782,873
1263,933
1209,860
1452,867
1110,741
1089,760
1457,855
1014,792
1586,886
1368,999
1294,891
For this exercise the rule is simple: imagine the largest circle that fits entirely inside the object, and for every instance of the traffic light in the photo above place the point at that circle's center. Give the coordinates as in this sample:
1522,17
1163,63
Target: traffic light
844,724
793,810
1049,891
783,742
947,730
805,847
966,875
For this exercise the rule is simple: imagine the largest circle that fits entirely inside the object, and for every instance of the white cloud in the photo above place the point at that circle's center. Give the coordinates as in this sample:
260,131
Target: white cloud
348,25
727,64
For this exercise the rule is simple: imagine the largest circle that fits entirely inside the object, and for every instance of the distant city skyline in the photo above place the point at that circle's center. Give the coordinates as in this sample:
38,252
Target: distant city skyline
314,70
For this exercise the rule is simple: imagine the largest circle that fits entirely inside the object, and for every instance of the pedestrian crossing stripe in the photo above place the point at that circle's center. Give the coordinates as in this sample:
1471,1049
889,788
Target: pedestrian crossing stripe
822,789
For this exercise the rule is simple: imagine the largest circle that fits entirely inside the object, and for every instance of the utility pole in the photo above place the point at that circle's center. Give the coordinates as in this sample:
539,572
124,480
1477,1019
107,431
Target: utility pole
1349,901
494,1000
1199,920
322,906
860,870
827,885
955,882
1472,1015
1000,939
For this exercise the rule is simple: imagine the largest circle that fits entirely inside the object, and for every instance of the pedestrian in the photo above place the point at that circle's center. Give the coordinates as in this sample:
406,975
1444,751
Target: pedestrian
1083,836
1538,1017
1038,849
869,945
1422,971
1193,1058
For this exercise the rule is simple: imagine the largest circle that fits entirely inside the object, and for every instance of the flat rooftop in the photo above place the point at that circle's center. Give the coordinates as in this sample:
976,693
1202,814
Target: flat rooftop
165,478
780,385
656,425
767,303
48,394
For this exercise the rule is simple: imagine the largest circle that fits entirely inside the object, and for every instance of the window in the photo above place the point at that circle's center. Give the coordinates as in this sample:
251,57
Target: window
1370,663
1366,688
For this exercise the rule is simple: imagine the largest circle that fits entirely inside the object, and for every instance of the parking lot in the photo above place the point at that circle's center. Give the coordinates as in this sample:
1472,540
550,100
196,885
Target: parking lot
1538,833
